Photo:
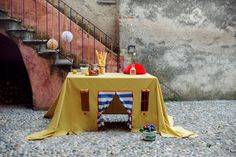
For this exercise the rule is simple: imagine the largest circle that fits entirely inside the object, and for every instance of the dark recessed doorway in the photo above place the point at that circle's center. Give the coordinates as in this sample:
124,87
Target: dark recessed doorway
15,87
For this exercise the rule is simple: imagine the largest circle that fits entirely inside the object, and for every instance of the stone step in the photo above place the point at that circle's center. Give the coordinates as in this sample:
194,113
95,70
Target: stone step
35,41
63,61
3,13
36,44
23,33
8,19
10,23
20,30
48,52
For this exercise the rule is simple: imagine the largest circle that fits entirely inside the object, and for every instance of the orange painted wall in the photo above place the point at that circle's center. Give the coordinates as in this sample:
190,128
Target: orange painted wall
48,22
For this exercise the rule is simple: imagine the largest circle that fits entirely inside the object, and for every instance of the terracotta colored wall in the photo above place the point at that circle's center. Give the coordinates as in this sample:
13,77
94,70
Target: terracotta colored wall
45,82
45,20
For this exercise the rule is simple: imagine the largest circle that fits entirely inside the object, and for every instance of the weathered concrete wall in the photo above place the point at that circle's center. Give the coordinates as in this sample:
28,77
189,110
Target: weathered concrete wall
190,44
103,16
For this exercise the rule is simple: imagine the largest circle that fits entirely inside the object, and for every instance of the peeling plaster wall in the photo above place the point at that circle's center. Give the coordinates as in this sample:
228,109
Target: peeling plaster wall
190,45
103,16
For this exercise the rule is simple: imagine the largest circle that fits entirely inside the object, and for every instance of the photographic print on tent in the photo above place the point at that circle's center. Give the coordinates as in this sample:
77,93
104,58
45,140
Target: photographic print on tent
105,98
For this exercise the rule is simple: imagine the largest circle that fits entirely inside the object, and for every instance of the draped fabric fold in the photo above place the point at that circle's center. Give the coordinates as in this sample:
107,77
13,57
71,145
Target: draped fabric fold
69,118
104,100
126,99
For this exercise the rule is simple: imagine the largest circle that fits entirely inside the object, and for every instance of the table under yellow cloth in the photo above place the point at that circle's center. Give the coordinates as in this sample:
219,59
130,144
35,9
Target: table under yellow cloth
68,117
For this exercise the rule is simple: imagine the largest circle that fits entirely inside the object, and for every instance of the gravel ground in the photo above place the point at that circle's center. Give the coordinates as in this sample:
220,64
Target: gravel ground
213,121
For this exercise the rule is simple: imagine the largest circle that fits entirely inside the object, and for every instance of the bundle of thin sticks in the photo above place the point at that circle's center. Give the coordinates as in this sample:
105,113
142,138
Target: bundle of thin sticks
101,58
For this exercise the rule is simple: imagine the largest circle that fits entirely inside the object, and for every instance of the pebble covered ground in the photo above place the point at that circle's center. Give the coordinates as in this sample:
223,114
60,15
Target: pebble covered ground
213,121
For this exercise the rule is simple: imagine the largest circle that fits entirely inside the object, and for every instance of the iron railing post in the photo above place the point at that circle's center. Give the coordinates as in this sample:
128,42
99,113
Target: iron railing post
23,11
11,8
70,31
82,39
118,59
46,18
94,43
59,23
36,24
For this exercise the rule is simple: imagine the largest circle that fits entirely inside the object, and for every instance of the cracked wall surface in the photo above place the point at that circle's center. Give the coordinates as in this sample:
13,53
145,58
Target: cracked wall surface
190,45
103,16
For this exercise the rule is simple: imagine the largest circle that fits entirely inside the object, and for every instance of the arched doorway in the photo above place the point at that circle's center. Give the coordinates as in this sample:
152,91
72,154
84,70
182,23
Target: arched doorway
15,88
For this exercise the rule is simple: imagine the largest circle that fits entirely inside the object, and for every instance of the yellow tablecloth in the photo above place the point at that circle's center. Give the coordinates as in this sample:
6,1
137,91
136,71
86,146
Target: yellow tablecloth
68,117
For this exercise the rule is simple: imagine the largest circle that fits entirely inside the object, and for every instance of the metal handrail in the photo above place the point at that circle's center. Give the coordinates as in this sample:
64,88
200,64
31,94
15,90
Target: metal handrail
18,9
85,27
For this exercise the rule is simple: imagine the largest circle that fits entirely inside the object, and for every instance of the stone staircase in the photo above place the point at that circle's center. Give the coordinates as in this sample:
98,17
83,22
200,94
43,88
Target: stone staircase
15,28
85,24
